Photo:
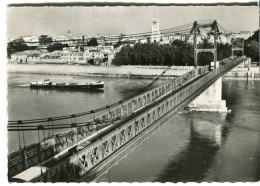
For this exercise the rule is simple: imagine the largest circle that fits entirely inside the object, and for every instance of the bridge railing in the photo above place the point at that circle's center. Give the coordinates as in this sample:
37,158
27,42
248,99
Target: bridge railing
109,144
37,153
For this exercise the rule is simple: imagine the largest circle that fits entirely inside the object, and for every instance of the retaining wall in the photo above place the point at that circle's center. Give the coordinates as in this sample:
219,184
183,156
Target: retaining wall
110,71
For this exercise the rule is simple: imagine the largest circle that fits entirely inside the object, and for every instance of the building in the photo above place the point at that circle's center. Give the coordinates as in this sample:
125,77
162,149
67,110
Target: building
82,57
98,55
19,57
31,40
52,58
155,37
108,47
110,58
34,57
69,39
169,38
28,56
72,56
105,40
224,39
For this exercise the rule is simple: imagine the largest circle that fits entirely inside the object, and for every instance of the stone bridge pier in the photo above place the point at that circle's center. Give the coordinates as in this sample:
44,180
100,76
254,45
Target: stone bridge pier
211,99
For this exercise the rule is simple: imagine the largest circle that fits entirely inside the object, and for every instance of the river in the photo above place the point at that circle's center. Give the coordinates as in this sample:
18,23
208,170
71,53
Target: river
189,147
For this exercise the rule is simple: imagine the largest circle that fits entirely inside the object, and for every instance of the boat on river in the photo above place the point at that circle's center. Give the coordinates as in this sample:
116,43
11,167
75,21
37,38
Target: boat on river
47,84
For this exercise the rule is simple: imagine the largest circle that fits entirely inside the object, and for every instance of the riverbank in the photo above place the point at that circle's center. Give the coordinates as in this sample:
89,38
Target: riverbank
99,71
141,72
243,73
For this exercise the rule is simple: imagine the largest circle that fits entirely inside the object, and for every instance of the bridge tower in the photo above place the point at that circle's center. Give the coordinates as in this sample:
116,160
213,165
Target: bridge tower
211,99
196,30
237,45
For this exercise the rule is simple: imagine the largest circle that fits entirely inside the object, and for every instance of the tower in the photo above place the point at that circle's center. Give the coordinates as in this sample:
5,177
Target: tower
69,34
155,30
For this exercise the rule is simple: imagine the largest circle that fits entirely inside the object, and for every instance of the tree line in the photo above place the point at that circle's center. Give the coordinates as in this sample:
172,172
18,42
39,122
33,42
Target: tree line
252,46
178,53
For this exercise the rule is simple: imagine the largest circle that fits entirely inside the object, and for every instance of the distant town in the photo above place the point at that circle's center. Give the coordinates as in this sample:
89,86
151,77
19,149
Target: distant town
96,50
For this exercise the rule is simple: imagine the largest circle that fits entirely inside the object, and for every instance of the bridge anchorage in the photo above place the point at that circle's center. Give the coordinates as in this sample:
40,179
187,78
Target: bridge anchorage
95,140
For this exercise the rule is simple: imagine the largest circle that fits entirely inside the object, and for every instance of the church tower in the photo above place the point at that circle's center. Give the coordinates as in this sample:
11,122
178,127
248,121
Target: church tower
155,30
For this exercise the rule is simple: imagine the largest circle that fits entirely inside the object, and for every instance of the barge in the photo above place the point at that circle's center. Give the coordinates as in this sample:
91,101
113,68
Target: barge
47,84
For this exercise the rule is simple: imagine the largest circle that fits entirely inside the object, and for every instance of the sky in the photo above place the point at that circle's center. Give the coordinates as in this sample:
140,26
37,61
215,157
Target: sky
55,21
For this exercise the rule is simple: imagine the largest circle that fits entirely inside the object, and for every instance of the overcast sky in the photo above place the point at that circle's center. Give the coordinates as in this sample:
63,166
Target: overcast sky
56,21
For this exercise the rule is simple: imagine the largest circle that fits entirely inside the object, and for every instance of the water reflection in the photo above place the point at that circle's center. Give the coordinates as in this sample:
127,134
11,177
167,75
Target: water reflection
201,146
206,137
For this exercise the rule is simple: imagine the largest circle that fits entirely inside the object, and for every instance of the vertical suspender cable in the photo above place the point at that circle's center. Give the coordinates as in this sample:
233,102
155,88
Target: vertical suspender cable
50,120
93,114
19,136
44,144
21,123
73,116
49,127
38,128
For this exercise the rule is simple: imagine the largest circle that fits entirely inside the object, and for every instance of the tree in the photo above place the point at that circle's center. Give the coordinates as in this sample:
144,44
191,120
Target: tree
91,61
16,45
93,42
252,50
252,46
56,46
119,43
45,40
255,36
178,43
184,52
146,54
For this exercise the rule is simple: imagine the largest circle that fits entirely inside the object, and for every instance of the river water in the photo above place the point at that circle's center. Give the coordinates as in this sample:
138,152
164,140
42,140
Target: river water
189,147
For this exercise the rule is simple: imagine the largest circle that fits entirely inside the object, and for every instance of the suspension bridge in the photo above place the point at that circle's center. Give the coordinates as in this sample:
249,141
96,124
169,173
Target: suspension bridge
84,145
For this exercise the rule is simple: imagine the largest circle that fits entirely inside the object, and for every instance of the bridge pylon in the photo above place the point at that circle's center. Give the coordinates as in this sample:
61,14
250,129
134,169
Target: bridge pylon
236,47
195,30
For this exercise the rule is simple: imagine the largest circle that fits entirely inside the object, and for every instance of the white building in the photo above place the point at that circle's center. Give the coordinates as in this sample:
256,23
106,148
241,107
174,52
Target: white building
73,56
52,58
34,57
101,47
243,34
19,57
76,56
29,56
155,37
31,40
169,38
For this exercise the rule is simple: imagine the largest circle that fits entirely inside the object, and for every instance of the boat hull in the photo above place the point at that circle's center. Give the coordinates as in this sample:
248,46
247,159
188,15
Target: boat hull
89,86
